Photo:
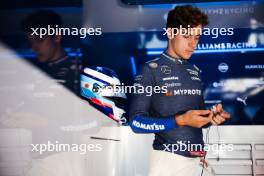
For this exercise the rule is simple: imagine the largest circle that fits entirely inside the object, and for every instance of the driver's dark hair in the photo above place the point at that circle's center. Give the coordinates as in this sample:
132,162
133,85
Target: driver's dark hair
41,19
186,15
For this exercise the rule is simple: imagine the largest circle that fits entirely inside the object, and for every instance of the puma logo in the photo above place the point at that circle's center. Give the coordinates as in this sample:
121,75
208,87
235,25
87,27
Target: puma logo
242,100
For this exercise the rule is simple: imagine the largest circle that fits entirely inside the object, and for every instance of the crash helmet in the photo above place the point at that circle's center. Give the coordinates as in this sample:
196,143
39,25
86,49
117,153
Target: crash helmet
101,87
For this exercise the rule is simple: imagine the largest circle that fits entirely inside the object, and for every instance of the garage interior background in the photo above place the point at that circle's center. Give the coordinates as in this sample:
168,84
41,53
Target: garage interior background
132,35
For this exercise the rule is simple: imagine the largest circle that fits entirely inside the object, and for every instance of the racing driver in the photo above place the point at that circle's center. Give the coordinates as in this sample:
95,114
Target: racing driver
178,116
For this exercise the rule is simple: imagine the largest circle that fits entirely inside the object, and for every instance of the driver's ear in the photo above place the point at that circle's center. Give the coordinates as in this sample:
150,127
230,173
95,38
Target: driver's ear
58,38
169,33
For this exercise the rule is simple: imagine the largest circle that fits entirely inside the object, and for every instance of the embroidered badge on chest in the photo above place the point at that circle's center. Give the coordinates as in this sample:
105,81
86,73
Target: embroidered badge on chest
165,69
153,65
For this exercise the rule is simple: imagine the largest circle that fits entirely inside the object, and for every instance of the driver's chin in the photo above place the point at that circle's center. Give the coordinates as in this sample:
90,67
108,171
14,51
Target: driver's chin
186,56
42,58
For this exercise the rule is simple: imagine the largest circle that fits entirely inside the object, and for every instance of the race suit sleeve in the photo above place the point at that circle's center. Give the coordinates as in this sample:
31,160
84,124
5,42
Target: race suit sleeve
140,120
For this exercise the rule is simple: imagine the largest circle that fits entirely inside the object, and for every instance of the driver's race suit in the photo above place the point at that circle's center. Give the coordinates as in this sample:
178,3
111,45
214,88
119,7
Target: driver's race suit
156,113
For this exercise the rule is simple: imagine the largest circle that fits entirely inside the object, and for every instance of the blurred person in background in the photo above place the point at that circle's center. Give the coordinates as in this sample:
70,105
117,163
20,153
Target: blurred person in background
51,57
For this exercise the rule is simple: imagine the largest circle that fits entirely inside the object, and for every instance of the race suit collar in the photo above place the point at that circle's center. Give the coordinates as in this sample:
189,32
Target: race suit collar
174,59
57,61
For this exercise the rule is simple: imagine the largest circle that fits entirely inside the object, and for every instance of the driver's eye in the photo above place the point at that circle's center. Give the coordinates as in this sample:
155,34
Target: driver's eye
186,36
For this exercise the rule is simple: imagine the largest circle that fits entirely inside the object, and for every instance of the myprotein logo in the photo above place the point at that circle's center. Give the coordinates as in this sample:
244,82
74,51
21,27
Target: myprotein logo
190,92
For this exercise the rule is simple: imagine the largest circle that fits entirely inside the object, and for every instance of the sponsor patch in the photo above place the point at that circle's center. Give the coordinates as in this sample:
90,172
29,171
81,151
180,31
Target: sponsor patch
195,78
172,84
165,69
193,72
153,65
170,78
138,78
191,92
197,68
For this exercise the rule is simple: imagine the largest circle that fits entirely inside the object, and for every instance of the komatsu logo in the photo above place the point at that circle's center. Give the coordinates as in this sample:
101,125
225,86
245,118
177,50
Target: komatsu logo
153,126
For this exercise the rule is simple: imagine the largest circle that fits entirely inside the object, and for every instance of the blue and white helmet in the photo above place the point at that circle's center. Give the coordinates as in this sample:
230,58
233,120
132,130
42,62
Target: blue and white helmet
98,86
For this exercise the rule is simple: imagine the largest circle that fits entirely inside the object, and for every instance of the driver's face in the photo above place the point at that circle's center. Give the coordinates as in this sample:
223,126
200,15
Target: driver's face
183,46
43,47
